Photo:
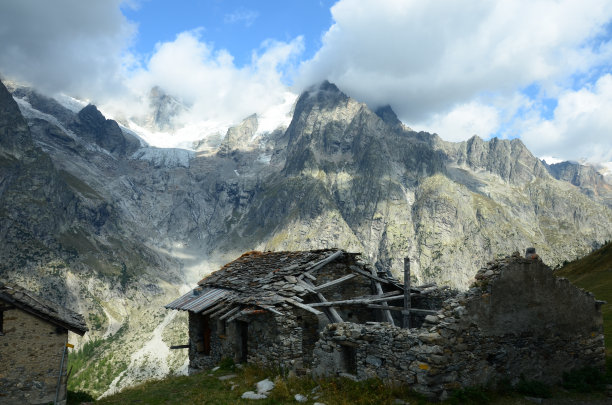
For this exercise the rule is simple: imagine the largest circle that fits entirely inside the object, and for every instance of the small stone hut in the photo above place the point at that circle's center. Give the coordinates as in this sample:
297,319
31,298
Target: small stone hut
269,307
33,338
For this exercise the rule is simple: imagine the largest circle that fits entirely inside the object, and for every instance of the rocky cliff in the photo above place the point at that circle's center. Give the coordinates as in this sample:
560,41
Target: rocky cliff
122,227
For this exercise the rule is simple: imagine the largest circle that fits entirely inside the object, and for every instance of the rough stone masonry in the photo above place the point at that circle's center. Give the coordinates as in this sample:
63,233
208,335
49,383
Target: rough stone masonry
517,319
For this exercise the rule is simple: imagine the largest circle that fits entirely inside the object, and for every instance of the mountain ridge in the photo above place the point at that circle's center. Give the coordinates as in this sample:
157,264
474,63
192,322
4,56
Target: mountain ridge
148,222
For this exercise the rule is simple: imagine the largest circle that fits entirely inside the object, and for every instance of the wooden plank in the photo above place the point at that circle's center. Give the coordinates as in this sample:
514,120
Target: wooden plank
400,309
334,282
407,301
368,275
306,307
325,261
229,313
386,313
422,311
307,285
387,294
269,308
239,314
331,312
220,311
356,301
213,308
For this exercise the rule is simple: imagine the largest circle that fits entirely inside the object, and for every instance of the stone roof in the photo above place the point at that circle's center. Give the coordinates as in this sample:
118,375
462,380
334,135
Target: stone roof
270,280
261,279
42,307
260,269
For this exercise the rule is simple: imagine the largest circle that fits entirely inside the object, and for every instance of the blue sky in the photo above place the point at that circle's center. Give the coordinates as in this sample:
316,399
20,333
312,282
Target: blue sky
539,70
238,26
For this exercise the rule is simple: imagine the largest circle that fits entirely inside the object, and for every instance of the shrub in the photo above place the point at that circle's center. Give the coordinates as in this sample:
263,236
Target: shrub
587,379
76,397
470,395
533,388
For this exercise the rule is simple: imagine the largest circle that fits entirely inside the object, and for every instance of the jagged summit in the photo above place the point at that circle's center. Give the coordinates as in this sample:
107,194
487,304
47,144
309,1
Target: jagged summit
105,133
387,114
164,109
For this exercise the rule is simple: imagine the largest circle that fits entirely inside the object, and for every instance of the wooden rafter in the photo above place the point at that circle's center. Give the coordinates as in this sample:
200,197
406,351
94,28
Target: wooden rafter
331,312
334,282
358,301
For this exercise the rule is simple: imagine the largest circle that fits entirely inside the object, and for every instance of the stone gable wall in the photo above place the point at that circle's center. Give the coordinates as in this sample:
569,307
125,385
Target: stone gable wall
518,319
30,354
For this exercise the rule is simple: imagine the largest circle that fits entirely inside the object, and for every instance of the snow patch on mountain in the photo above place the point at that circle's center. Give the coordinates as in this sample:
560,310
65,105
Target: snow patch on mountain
276,116
172,157
30,112
73,104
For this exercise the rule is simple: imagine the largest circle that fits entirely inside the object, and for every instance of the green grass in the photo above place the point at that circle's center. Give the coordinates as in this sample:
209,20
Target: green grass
206,388
594,273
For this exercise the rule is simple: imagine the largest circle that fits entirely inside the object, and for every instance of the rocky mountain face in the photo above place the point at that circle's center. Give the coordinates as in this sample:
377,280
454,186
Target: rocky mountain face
125,227
590,182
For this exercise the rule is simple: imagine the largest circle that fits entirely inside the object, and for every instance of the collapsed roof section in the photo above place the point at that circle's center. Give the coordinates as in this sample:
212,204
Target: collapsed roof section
268,281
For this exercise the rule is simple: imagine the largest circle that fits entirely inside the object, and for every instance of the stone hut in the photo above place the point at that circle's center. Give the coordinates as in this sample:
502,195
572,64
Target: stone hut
269,307
33,339
517,319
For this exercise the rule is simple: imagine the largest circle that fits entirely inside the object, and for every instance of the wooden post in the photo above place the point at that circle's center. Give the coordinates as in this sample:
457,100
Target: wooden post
407,303
386,313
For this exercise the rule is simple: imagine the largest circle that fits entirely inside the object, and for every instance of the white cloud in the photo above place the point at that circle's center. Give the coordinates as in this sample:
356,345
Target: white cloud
462,122
425,57
72,46
216,92
241,15
581,127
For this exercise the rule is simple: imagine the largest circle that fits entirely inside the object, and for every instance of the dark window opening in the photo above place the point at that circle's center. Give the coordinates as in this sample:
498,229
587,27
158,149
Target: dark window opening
349,360
204,336
242,335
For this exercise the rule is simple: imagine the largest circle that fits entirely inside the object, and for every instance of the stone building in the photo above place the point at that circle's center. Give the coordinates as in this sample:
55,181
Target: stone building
329,313
33,337
269,307
517,319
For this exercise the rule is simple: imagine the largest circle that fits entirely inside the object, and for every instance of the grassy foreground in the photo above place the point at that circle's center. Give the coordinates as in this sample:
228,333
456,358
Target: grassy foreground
587,386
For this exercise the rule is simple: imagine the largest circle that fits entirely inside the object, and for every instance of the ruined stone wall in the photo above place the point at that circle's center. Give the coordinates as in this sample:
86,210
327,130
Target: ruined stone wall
518,319
30,354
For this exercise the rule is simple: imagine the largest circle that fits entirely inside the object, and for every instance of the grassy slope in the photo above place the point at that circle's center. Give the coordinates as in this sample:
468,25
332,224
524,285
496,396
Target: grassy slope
594,273
206,388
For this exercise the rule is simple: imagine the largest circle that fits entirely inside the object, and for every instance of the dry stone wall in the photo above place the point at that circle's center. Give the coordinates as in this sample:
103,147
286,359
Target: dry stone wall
271,340
30,355
518,319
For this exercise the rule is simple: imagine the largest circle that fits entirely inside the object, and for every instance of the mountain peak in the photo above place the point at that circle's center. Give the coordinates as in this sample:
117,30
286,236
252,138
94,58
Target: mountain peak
387,114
